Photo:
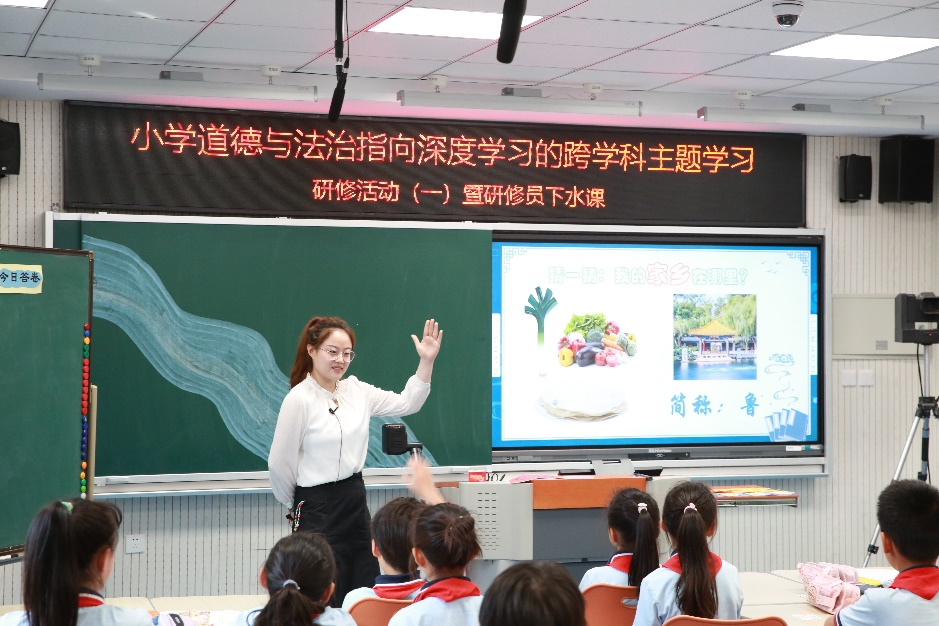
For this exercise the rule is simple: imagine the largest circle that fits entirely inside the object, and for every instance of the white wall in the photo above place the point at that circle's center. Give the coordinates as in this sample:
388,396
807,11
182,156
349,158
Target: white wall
206,545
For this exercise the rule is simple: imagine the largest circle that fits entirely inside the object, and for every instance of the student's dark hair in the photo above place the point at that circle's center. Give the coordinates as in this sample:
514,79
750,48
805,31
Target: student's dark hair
314,334
533,594
61,545
908,513
306,559
391,530
446,534
638,530
697,587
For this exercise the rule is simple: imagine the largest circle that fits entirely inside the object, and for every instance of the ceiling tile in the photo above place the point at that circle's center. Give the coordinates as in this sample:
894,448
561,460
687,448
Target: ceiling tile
500,73
894,73
669,61
790,67
20,20
240,59
919,94
378,67
110,51
536,7
632,81
708,83
731,40
415,47
670,11
818,16
244,37
614,34
118,28
545,55
840,91
926,56
891,3
13,44
319,14
916,23
200,11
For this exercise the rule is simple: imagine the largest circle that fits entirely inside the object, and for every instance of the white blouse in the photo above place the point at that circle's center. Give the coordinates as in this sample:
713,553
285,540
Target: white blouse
313,446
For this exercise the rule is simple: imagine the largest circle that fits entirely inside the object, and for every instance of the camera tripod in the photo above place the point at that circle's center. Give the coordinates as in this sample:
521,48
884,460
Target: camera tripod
926,408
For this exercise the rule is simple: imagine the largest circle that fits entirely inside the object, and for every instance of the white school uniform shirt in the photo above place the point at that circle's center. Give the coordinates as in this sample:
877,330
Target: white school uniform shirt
911,600
435,611
616,572
312,446
104,615
658,594
329,617
396,586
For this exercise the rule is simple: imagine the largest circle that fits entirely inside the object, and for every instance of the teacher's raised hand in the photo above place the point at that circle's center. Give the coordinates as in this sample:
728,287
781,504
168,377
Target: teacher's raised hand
428,346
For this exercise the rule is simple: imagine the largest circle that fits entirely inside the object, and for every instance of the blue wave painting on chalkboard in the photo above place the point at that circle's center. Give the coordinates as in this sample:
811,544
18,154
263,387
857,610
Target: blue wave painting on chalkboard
231,365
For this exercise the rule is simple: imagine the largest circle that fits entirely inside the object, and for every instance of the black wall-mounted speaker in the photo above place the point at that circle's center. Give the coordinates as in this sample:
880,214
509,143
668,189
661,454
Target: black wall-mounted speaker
907,165
854,178
9,148
394,439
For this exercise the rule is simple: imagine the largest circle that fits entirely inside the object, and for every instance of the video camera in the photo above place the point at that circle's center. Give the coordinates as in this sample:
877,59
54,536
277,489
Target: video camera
917,318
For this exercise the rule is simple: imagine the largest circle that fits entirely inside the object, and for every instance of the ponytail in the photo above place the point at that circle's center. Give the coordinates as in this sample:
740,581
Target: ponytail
61,546
315,333
634,515
690,511
299,571
446,534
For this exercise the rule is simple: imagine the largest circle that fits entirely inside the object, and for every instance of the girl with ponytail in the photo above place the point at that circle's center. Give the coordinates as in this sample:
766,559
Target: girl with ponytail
633,518
694,581
321,441
298,575
444,543
69,557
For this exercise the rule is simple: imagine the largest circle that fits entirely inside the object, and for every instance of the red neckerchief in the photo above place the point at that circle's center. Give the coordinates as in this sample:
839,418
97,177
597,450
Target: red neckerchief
86,600
620,561
448,589
923,580
714,565
398,591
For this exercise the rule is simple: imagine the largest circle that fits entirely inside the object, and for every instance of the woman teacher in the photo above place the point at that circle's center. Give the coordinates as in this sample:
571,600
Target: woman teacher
321,440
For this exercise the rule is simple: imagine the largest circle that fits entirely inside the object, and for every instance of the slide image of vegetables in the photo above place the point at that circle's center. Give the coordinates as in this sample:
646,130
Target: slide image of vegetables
591,346
714,337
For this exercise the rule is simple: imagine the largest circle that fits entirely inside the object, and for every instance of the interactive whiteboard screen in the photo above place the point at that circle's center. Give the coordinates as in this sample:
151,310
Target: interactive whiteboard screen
670,349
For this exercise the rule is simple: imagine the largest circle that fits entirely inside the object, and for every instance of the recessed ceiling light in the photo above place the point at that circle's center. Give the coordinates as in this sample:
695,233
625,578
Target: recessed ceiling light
26,4
446,23
859,47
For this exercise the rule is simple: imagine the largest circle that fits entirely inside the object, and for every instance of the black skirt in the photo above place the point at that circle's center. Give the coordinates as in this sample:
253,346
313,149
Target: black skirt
340,512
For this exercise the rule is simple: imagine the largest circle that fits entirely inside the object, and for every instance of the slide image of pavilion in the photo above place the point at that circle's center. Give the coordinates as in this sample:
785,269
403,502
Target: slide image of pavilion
714,337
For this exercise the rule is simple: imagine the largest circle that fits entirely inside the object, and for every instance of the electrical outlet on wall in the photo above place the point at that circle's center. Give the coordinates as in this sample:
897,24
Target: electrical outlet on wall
135,544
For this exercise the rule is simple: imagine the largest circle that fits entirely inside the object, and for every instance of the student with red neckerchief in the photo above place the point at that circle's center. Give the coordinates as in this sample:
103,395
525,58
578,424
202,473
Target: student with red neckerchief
69,556
391,545
908,514
694,581
445,542
633,518
298,575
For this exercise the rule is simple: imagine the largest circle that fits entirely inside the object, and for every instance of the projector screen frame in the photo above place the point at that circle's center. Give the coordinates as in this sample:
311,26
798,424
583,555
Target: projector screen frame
780,459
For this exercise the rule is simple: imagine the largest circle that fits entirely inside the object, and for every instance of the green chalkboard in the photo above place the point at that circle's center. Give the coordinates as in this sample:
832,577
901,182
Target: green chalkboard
271,279
40,381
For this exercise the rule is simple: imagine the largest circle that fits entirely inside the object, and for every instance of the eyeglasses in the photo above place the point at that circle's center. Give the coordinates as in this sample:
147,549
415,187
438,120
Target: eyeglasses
336,355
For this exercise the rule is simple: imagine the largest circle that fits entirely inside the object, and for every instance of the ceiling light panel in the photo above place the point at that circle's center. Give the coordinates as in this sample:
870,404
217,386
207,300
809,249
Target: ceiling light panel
859,47
446,23
25,4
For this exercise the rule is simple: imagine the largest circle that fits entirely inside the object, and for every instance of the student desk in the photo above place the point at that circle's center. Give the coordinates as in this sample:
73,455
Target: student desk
209,603
800,614
759,589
